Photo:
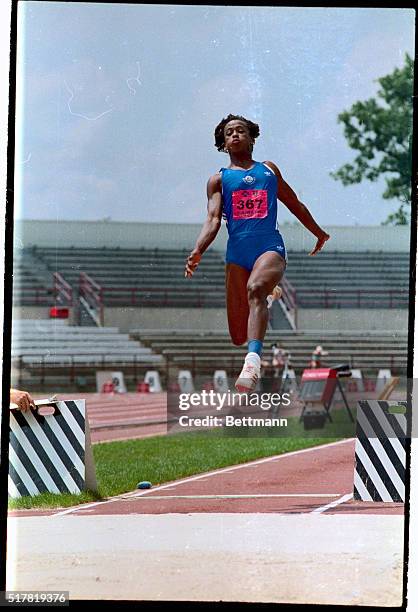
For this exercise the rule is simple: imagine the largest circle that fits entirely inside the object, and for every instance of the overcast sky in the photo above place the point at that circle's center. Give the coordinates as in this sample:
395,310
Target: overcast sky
117,104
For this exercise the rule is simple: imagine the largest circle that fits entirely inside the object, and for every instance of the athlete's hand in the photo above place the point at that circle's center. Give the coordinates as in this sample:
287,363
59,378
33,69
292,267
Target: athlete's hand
192,263
22,398
320,243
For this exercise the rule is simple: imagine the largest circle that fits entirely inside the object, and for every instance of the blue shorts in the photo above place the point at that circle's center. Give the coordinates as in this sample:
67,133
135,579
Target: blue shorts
245,249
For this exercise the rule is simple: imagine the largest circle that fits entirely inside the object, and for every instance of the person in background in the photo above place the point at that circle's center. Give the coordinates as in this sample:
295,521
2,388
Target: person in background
316,358
22,399
278,359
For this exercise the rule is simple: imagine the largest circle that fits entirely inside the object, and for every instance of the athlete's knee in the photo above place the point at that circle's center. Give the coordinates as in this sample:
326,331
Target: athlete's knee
256,291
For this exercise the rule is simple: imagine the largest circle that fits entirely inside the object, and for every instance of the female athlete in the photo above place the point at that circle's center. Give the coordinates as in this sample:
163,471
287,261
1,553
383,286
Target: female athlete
246,193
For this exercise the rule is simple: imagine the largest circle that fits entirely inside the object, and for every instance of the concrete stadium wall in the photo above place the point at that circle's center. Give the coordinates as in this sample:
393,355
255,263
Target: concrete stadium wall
215,318
353,319
181,235
30,312
36,312
165,318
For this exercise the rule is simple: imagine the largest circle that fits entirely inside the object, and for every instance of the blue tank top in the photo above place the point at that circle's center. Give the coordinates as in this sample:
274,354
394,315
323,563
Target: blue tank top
249,200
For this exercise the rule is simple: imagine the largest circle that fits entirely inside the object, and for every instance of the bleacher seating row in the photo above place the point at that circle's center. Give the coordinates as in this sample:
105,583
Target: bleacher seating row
367,351
29,288
53,342
150,277
52,350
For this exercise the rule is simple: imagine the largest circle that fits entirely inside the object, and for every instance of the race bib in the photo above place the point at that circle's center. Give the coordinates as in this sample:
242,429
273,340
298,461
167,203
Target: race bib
249,204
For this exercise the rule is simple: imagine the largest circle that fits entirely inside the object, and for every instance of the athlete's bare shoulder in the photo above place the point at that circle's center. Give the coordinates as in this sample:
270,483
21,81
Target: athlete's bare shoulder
215,182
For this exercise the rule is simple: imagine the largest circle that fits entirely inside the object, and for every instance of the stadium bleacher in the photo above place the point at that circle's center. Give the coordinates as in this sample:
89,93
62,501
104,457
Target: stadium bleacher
344,280
29,287
50,352
153,277
50,347
139,276
213,350
52,341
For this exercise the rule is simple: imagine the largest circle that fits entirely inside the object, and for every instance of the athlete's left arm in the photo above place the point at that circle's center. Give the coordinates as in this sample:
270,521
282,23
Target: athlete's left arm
289,198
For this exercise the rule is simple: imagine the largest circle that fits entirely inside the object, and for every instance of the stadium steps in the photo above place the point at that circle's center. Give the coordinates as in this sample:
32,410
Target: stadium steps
278,319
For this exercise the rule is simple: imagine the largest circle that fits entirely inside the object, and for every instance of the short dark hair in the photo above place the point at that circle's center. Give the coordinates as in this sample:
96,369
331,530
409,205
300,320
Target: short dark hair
253,128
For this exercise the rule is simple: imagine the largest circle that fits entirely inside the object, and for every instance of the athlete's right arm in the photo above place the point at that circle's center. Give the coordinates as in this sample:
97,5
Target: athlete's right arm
211,225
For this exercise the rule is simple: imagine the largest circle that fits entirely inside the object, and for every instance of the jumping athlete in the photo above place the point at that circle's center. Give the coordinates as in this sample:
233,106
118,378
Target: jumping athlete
245,194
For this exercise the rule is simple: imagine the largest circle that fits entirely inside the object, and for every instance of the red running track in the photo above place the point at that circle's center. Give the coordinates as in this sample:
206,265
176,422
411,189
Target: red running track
294,483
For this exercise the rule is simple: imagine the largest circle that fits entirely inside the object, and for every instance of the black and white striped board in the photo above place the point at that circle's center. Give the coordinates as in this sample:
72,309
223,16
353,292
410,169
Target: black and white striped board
50,453
380,458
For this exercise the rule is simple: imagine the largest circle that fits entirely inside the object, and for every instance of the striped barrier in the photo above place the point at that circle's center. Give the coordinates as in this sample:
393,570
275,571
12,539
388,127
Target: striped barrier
380,458
50,453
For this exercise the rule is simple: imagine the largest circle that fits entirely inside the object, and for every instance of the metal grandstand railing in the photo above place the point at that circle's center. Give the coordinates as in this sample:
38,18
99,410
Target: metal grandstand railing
96,295
92,293
289,301
39,366
63,292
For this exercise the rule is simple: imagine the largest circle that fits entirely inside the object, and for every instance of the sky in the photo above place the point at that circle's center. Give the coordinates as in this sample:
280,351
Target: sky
117,104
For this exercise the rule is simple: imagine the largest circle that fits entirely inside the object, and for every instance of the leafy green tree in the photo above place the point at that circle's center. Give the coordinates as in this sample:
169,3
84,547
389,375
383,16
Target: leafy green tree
380,129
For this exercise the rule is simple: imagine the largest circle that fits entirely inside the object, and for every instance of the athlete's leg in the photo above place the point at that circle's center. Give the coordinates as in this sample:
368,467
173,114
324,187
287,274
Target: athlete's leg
236,278
266,274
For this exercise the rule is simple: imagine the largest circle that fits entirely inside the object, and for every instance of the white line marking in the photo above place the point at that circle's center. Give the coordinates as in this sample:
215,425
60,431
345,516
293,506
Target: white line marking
256,495
129,437
337,502
135,494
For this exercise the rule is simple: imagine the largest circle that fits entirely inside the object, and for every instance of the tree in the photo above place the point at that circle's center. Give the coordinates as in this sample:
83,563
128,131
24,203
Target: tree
381,130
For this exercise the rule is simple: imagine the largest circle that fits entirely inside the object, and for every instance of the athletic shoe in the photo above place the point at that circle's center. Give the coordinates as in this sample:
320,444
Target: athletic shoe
276,294
250,373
